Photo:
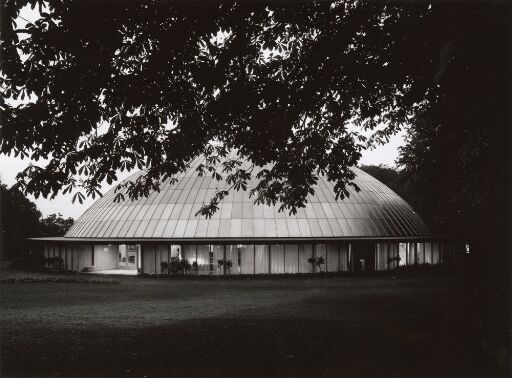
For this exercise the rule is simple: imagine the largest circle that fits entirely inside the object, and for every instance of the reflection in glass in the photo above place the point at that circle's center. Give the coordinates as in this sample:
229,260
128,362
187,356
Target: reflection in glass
332,263
232,255
305,252
402,250
277,258
344,257
291,258
218,254
321,251
261,258
203,259
189,253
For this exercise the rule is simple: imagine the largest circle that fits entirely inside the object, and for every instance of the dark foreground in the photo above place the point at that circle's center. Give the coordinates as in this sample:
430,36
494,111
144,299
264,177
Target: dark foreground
410,326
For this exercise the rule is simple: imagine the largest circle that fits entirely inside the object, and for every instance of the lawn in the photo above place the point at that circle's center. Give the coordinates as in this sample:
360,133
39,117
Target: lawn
366,325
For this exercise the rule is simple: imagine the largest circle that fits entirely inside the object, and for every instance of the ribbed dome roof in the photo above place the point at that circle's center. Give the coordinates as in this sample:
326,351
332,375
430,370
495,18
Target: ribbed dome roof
376,211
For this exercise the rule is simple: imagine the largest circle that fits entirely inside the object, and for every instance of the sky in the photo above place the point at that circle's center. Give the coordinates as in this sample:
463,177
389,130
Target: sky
10,166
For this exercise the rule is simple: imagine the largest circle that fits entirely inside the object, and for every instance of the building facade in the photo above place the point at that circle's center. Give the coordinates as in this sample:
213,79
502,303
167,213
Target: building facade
371,230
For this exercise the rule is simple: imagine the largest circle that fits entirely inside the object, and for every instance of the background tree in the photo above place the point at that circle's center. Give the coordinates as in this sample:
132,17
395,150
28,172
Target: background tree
457,159
20,220
457,156
55,225
393,178
295,84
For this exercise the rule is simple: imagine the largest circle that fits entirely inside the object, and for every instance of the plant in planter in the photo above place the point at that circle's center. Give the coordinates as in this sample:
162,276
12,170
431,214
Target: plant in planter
312,261
220,264
229,265
55,263
185,266
164,267
174,265
195,267
319,262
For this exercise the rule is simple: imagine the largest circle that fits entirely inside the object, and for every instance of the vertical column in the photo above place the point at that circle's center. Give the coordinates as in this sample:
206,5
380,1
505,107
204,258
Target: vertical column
350,262
141,255
387,255
92,254
326,256
284,258
338,248
298,257
224,258
376,256
74,258
210,259
65,257
314,257
270,258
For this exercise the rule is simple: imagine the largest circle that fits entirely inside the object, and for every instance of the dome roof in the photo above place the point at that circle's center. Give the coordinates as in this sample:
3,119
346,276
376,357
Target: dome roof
375,211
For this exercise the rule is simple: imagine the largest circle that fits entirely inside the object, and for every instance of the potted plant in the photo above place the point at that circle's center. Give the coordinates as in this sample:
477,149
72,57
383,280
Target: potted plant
174,265
164,267
195,268
185,266
229,265
312,261
220,264
319,262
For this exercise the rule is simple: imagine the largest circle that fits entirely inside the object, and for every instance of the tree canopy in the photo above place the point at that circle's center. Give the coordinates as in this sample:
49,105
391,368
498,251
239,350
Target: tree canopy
457,155
303,85
55,225
21,219
123,85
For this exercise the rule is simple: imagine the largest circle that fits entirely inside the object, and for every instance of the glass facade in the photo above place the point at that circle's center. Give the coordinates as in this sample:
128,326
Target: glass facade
305,252
261,259
286,258
291,258
277,258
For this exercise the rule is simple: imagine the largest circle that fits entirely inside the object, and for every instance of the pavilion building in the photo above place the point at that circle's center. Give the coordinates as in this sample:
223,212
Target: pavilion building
371,230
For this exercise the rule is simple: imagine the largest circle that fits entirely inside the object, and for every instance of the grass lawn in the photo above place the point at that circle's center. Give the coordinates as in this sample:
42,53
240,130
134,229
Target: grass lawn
367,325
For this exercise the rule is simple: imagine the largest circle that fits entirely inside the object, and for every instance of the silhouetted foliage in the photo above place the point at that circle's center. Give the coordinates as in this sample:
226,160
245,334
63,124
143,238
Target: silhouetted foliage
278,82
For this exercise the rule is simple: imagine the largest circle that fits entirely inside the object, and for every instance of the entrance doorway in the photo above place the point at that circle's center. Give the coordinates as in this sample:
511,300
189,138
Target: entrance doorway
128,257
363,257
